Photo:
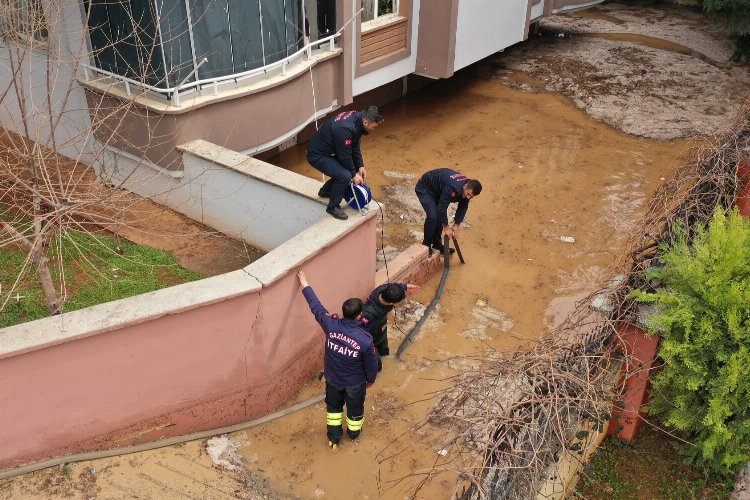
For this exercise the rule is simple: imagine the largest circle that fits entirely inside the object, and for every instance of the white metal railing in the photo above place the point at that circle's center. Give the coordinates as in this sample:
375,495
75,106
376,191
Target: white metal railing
174,92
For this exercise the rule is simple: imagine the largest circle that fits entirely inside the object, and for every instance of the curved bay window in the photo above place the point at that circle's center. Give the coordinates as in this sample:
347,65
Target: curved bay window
163,43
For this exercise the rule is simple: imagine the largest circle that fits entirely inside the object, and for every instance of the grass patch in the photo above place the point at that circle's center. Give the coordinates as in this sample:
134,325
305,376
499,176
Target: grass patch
649,468
86,271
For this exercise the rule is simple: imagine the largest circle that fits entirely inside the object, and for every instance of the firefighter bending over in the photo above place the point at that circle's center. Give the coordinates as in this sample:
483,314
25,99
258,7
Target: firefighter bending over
376,309
436,190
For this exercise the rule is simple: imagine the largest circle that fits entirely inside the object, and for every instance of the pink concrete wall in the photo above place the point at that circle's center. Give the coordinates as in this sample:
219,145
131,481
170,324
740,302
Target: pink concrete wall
413,265
209,366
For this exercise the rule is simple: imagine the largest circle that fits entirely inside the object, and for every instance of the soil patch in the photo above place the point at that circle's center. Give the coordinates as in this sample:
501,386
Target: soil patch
652,71
648,468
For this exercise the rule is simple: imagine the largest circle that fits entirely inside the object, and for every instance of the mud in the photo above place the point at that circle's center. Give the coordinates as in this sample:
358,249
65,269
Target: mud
195,246
542,132
653,71
549,171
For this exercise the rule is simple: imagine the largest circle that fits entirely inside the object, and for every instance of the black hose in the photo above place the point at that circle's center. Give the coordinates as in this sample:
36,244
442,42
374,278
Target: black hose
413,332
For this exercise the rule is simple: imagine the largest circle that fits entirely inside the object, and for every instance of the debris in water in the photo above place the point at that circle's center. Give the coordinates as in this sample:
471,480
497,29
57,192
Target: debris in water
398,175
223,452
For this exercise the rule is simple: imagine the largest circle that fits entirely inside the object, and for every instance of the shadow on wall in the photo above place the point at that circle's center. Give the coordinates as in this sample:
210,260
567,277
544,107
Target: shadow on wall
196,356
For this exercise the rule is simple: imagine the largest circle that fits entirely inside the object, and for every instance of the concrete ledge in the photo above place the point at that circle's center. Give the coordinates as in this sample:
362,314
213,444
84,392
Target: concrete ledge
256,169
411,266
306,245
119,314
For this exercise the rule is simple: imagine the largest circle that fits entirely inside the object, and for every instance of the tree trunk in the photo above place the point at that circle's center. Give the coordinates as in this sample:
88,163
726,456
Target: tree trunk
40,260
45,278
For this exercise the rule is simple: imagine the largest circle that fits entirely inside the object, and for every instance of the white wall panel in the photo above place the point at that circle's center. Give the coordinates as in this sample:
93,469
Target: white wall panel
487,26
393,71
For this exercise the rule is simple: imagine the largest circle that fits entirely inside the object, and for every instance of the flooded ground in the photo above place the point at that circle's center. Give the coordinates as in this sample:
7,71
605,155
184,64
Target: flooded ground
549,170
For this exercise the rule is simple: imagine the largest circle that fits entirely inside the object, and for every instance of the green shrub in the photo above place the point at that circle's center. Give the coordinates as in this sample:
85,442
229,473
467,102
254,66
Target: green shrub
703,316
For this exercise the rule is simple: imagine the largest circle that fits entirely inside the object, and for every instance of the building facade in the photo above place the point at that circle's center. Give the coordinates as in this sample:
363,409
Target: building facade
149,75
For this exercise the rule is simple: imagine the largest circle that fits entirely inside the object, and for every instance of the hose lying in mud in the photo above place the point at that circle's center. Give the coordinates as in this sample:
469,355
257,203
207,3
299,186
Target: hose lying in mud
125,450
409,339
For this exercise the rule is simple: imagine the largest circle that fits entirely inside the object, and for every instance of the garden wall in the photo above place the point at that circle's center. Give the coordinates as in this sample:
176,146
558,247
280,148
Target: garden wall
195,356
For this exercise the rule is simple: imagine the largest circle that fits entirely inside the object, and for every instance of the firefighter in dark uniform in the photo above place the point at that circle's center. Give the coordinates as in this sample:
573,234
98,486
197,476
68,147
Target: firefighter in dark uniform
335,151
437,189
376,309
350,364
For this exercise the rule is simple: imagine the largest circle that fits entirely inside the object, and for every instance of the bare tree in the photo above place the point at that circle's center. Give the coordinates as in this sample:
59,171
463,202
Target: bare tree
54,132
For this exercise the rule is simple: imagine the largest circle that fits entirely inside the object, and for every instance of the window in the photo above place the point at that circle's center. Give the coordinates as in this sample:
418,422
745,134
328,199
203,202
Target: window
373,9
320,14
162,42
23,20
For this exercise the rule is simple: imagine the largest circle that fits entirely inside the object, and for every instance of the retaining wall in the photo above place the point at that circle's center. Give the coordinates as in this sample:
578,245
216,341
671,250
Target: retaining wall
195,356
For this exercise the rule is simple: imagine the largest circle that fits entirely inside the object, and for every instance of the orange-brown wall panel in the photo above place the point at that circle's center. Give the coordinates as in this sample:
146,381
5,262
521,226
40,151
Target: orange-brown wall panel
383,41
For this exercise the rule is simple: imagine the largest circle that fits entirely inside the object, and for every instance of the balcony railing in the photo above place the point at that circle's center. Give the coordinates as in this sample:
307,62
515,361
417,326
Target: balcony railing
173,93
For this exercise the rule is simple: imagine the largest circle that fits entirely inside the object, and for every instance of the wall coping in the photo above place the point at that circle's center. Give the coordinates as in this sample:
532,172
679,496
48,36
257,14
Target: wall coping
101,318
254,168
603,302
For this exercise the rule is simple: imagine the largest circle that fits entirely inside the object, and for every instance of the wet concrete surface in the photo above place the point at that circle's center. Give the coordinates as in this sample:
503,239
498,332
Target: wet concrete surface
549,171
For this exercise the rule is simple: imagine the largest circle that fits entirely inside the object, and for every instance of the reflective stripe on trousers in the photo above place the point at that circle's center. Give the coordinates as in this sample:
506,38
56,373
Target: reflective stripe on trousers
354,425
334,419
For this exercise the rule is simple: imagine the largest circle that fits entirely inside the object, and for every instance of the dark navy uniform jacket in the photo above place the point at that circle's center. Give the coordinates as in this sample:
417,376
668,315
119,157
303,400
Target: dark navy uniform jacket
375,313
446,186
339,137
351,359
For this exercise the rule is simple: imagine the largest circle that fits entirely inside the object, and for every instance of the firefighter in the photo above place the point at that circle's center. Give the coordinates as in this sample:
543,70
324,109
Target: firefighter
335,151
437,189
350,364
376,309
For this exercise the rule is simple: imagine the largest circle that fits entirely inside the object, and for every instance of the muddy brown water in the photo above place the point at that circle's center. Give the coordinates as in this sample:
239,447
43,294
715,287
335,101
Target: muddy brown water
548,171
